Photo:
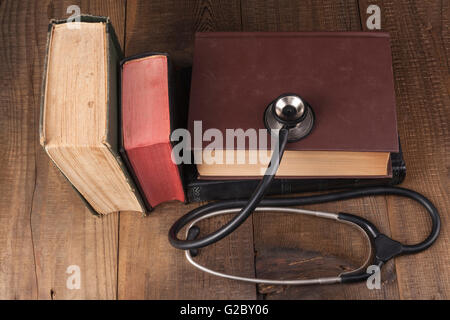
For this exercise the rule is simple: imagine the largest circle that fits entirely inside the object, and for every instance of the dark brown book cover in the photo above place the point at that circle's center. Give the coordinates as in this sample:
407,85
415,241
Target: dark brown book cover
345,76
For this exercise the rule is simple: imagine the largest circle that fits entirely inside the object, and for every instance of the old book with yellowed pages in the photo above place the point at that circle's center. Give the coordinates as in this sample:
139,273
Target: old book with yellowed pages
79,126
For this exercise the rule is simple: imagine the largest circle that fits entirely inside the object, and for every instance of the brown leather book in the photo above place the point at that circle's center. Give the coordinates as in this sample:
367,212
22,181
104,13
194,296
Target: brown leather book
345,76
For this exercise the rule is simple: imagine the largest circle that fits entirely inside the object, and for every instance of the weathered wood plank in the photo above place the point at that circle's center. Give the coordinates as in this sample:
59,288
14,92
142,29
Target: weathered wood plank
288,235
169,26
18,143
305,15
420,41
58,225
149,268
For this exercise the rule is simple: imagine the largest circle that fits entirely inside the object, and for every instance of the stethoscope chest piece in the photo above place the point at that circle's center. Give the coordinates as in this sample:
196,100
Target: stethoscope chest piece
291,111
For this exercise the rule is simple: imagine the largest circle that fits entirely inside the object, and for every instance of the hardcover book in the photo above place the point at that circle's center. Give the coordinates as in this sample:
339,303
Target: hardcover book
79,127
345,76
148,119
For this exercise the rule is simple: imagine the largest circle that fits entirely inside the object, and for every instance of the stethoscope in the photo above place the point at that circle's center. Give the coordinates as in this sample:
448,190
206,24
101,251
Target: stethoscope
291,118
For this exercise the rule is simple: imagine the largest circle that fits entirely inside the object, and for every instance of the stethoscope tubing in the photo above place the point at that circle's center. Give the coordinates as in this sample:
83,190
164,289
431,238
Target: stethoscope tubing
257,201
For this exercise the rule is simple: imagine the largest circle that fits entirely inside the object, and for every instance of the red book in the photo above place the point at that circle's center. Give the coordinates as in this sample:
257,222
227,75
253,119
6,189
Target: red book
147,127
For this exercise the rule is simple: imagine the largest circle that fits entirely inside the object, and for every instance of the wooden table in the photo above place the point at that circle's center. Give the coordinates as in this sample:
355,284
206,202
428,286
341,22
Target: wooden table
44,227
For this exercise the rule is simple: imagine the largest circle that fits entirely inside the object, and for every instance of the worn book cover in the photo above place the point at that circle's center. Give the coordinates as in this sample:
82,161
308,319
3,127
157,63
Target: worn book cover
148,119
110,141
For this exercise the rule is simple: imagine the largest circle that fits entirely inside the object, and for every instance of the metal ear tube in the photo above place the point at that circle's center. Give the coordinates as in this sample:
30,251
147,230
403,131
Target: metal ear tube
293,119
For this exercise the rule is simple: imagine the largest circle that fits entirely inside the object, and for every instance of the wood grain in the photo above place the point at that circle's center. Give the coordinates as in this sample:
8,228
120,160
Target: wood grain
149,268
17,139
304,15
420,41
169,26
48,227
278,233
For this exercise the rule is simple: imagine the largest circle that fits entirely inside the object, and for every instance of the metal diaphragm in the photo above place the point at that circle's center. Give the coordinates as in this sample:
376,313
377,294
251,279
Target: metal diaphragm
292,111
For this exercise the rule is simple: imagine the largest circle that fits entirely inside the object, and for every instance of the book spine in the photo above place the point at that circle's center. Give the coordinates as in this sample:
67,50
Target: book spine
177,118
398,166
122,150
241,189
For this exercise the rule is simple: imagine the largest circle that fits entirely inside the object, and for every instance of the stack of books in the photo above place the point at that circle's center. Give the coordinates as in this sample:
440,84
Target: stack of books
112,125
